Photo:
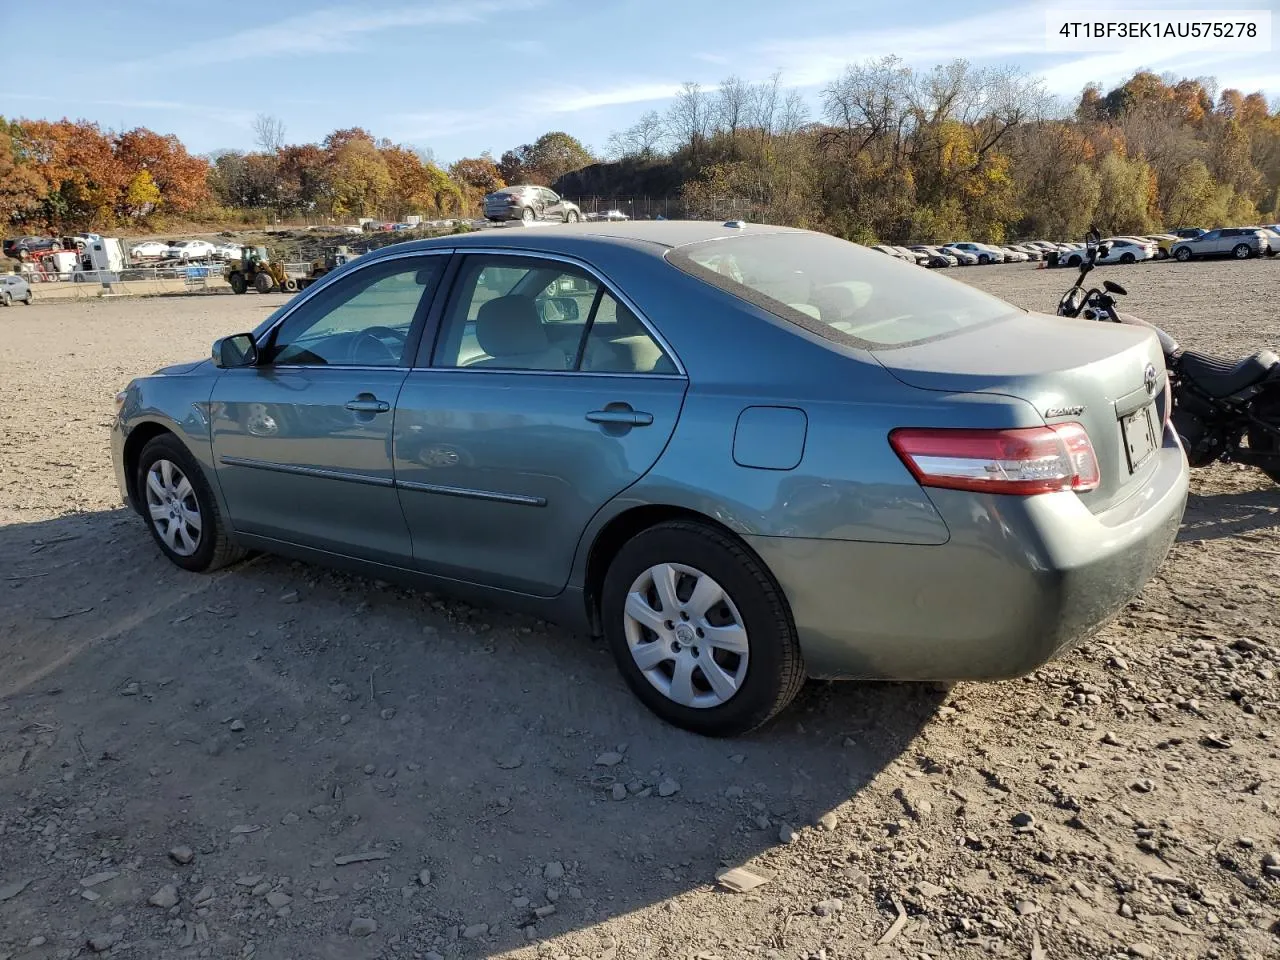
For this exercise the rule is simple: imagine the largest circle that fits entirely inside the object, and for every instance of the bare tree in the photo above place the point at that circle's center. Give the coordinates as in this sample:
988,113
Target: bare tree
642,139
733,103
689,117
268,133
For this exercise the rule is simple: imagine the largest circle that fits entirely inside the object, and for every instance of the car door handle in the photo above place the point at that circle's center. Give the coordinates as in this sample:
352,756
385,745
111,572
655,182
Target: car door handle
368,403
623,416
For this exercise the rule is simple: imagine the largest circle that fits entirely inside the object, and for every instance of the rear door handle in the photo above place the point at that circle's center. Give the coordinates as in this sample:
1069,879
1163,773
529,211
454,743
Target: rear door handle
623,416
368,403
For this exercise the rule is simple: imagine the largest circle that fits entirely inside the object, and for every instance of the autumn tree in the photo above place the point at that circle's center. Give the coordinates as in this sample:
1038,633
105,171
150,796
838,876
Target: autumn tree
480,173
359,179
22,188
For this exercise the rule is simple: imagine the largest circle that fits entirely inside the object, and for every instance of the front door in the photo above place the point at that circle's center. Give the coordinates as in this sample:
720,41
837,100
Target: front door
302,442
545,397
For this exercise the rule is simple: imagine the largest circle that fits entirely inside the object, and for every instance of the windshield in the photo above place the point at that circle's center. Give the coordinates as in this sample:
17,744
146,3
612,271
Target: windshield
840,290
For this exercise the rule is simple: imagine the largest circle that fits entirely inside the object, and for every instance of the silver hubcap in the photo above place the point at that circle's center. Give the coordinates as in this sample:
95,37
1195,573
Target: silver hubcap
686,635
175,513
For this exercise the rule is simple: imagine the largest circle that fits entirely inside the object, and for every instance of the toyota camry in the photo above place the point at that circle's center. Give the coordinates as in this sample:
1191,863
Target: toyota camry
744,454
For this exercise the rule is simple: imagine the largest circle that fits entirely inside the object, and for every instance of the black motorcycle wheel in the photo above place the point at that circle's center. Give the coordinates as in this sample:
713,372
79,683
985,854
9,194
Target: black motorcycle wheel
1262,441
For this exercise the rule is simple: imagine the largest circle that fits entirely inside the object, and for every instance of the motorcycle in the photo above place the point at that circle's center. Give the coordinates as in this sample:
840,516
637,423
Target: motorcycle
1223,411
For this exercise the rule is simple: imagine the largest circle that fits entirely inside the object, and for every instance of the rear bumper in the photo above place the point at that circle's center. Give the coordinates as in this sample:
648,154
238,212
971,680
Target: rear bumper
1021,581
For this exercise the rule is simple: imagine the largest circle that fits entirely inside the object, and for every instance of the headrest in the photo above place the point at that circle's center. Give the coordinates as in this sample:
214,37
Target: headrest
510,326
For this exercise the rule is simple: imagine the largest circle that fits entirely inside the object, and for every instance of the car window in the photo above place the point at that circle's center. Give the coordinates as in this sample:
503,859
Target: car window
516,313
839,290
617,342
363,319
1211,235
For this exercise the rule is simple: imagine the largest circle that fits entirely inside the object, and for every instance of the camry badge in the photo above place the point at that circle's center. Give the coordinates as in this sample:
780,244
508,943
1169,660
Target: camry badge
1064,411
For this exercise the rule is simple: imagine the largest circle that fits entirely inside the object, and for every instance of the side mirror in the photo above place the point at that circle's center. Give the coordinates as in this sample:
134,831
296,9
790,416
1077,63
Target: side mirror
237,350
1112,287
559,310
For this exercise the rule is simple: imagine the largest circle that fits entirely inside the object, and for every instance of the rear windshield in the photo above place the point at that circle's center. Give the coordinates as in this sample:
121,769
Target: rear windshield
840,290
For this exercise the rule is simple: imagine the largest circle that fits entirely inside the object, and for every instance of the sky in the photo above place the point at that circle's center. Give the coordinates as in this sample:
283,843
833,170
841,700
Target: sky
458,77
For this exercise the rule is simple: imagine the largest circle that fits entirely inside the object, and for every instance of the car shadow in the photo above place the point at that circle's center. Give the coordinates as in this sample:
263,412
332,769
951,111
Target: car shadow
1212,517
275,716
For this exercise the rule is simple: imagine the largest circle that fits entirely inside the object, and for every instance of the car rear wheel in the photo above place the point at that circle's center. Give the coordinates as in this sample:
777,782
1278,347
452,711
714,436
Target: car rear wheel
27,299
571,216
6,300
1182,254
700,630
1162,254
1128,258
180,508
1242,251
527,215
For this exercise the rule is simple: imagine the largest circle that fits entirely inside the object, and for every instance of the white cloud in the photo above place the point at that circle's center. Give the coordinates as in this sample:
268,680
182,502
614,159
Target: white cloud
333,30
576,99
220,113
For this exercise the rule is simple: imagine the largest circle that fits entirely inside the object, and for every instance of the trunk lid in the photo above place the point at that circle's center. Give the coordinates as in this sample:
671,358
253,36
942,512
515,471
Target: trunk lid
1108,377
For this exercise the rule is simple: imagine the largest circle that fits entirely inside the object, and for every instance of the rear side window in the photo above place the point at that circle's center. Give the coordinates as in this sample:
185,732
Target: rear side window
840,290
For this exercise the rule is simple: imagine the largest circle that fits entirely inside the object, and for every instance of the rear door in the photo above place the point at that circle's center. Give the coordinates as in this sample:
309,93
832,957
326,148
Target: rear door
545,396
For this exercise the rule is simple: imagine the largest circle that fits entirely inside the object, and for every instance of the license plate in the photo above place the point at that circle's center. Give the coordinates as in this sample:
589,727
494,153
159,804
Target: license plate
1139,436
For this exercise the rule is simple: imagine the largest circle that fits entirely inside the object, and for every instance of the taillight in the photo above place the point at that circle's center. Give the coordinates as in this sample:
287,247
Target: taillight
1023,461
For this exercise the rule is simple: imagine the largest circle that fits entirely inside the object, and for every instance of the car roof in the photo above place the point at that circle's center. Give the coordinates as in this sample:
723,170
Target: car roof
657,235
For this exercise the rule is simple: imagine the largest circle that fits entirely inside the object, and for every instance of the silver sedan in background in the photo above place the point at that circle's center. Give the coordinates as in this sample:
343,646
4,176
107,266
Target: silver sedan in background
743,454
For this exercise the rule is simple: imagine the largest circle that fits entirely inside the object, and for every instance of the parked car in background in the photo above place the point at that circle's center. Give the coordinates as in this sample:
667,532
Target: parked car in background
1127,250
912,256
1188,233
15,248
937,257
1239,242
14,289
889,251
613,216
529,203
982,252
1011,255
191,250
1164,244
149,250
619,462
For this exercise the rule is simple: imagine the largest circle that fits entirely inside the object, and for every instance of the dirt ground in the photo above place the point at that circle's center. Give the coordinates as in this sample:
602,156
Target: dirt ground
189,764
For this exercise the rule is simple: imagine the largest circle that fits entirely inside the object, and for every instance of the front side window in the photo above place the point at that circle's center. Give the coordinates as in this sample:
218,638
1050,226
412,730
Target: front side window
526,313
839,290
363,319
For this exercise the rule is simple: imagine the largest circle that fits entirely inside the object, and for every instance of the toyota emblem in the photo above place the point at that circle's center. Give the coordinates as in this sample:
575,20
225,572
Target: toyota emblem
1150,378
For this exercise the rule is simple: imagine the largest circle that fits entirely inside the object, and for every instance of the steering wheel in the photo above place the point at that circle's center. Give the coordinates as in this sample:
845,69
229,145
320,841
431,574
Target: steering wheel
379,337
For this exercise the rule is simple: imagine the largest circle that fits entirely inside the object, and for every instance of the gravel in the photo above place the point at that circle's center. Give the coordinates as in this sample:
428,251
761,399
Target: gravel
922,783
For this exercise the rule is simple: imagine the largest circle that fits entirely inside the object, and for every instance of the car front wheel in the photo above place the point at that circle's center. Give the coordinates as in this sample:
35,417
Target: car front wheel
700,631
571,216
1182,254
527,215
5,299
180,508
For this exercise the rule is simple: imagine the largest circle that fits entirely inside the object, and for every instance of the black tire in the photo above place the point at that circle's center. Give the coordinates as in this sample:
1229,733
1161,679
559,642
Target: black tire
1242,251
1162,253
527,215
290,285
983,258
571,216
1128,258
215,547
264,283
238,283
1073,260
6,299
775,668
27,299
1182,254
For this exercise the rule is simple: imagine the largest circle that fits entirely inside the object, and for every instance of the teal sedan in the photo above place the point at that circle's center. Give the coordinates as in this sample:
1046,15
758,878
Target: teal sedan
745,455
